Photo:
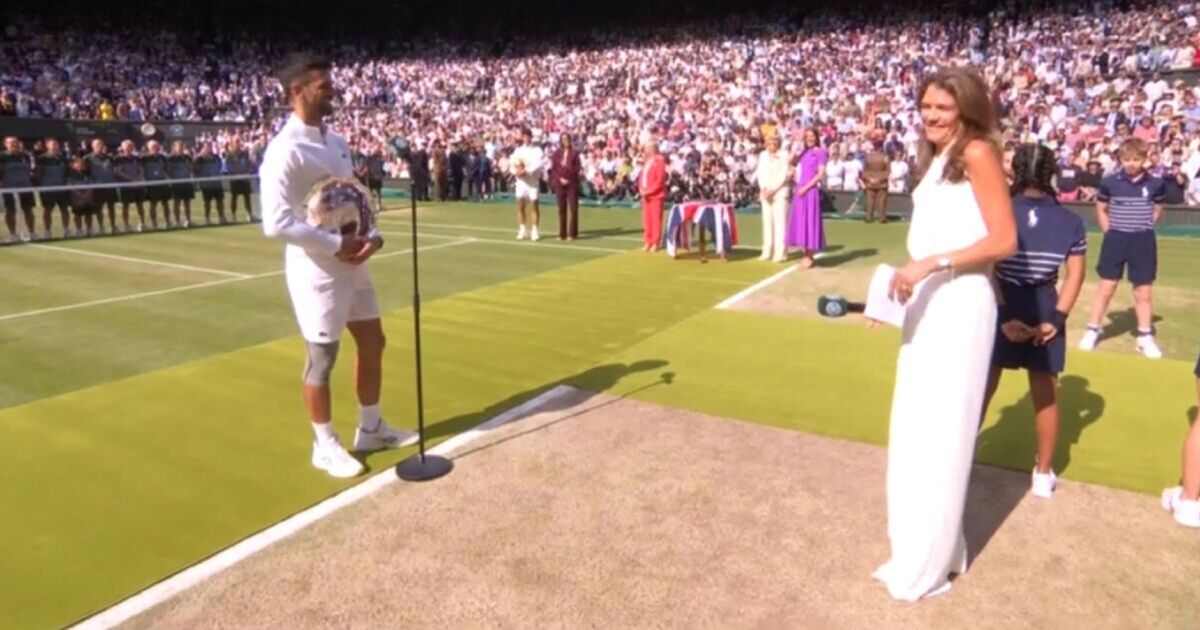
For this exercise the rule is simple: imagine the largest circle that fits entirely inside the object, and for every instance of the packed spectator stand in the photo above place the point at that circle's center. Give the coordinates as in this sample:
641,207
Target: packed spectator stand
1078,76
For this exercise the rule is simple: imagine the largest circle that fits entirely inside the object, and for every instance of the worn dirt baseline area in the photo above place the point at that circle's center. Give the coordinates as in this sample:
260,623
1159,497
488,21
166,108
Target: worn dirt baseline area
606,512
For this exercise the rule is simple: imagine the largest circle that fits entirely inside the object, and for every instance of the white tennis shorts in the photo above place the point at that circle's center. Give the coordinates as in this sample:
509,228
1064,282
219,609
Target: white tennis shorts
525,190
325,303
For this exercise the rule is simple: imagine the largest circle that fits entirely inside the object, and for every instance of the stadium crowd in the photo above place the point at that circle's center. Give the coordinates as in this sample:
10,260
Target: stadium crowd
1079,76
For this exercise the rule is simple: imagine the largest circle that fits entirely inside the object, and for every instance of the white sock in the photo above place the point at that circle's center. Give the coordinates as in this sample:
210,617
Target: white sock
324,431
369,418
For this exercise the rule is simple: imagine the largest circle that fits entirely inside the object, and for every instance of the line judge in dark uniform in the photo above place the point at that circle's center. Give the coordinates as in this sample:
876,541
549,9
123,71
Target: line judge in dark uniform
564,176
239,162
179,167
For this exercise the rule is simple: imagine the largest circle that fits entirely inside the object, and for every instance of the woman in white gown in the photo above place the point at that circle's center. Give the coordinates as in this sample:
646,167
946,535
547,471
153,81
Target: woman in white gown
962,223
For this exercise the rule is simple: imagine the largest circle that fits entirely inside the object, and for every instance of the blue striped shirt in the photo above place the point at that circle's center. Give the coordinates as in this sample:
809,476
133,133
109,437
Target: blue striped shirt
1047,234
1131,201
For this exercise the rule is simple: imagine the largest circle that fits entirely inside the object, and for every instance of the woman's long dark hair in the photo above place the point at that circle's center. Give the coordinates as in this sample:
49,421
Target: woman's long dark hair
976,114
1034,167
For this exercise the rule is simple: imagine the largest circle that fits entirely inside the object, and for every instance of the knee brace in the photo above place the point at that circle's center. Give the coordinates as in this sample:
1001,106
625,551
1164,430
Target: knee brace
319,364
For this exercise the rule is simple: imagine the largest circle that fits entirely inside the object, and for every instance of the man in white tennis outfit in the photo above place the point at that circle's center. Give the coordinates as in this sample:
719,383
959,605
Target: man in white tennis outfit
327,278
527,160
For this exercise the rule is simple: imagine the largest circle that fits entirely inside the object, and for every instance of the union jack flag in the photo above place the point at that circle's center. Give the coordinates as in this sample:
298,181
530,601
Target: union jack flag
715,217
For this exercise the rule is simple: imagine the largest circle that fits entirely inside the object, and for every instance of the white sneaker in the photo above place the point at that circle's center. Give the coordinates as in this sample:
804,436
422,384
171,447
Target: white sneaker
521,233
31,236
1186,512
1149,349
381,438
533,234
1090,337
1043,484
333,459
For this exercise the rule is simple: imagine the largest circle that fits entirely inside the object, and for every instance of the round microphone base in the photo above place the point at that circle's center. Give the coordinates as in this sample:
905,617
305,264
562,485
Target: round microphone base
423,467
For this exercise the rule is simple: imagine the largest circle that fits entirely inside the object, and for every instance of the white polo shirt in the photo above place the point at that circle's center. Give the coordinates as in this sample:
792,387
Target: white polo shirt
297,158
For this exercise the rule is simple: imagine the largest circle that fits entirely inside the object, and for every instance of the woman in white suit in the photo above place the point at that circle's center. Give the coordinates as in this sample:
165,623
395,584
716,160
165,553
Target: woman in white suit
772,176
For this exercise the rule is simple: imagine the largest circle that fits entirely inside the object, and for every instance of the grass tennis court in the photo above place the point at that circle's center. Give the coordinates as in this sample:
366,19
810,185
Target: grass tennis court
148,387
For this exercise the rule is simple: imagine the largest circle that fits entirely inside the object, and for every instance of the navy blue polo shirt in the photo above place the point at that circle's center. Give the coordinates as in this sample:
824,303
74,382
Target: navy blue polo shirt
1131,201
1047,234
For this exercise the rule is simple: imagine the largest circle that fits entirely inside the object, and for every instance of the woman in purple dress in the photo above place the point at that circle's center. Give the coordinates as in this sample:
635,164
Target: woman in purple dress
805,230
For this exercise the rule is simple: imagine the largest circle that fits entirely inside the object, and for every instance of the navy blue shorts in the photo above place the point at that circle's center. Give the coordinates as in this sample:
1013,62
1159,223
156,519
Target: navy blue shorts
1034,306
1137,250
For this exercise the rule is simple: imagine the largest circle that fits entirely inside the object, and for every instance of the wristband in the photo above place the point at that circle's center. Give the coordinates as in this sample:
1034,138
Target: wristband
1059,319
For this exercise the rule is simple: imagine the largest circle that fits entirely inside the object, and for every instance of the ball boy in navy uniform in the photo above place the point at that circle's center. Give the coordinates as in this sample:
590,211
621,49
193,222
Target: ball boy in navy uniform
1128,207
1033,313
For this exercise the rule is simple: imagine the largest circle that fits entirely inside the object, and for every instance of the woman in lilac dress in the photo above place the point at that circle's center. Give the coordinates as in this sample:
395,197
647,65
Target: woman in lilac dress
805,230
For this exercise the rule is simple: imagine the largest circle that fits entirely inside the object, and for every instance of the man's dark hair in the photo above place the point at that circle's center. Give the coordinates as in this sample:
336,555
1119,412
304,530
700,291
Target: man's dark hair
296,65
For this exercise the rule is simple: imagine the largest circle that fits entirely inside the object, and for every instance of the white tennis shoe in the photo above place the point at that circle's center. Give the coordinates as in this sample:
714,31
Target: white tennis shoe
1186,512
333,459
1148,347
1043,484
1089,340
381,438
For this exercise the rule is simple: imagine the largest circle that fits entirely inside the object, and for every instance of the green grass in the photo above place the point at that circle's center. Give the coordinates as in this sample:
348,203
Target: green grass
143,435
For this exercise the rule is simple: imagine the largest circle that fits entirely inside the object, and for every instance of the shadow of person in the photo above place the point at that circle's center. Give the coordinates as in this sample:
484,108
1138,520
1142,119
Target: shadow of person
1078,408
1011,443
606,232
595,380
845,257
1122,323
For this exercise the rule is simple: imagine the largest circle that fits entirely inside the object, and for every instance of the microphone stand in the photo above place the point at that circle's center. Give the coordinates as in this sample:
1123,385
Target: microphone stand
422,466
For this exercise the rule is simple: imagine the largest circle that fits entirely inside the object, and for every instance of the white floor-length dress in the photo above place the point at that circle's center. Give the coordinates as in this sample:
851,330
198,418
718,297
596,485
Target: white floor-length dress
941,375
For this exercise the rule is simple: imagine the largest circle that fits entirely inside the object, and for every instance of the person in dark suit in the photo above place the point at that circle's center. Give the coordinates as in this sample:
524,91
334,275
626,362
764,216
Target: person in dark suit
420,173
564,177
457,165
1114,117
471,172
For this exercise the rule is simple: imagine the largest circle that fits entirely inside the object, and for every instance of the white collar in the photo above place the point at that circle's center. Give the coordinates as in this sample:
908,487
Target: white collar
314,133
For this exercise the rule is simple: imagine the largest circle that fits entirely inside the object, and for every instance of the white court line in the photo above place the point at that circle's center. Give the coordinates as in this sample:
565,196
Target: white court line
744,293
197,573
201,285
459,226
547,246
144,261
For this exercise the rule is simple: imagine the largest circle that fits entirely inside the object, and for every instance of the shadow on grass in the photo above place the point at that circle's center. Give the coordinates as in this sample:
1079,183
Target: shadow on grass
595,380
1012,443
1122,323
607,232
576,401
845,257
